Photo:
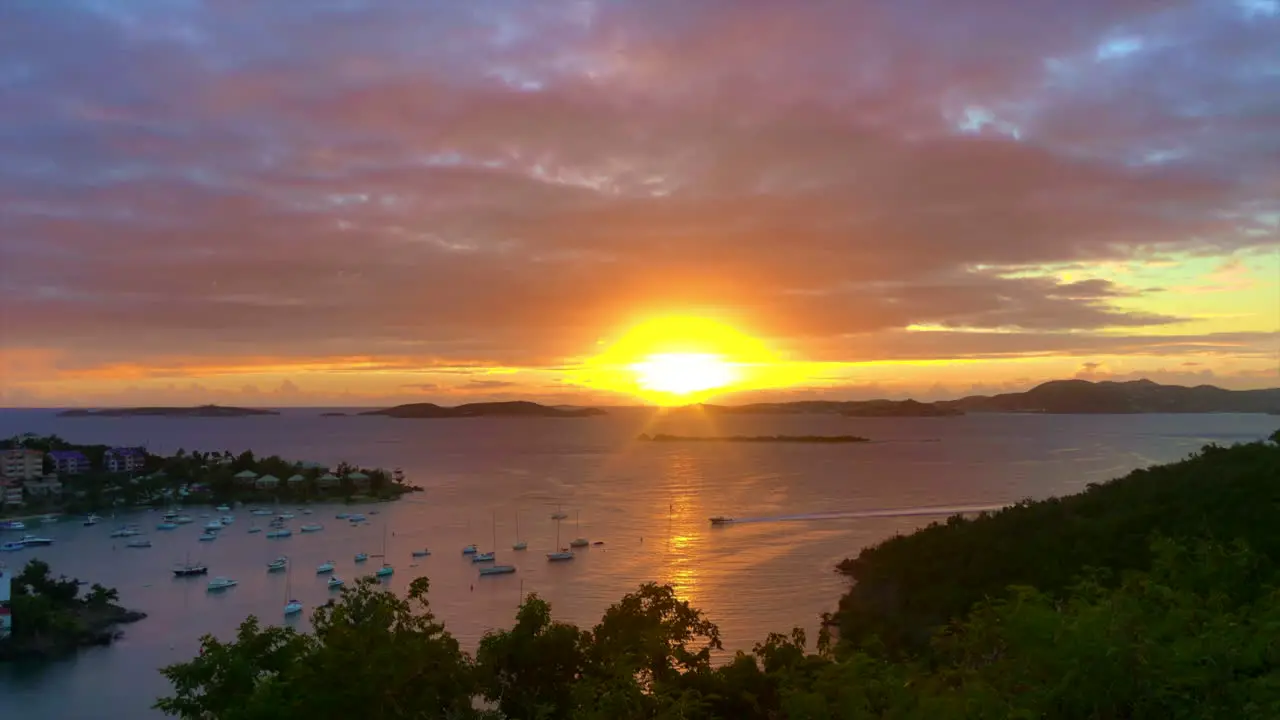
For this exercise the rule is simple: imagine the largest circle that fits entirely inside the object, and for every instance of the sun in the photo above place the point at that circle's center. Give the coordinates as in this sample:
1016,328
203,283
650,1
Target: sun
684,373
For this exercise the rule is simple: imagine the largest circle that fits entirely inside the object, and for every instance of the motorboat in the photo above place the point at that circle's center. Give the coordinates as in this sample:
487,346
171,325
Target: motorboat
335,582
33,541
341,516
14,525
14,546
579,542
188,569
280,533
279,563
469,550
721,520
184,519
126,531
223,508
227,519
293,607
254,529
311,527
285,516
208,537
221,583
213,525
421,553
559,556
361,557
522,545
167,525
139,543
91,520
260,511
356,517
497,570
325,567
385,571
483,557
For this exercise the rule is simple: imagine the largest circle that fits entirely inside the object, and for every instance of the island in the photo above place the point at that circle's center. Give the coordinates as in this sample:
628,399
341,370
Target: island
852,408
214,411
661,437
519,408
333,414
51,619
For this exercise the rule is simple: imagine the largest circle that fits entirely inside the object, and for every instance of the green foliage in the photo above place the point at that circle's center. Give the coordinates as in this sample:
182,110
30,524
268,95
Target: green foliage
1175,627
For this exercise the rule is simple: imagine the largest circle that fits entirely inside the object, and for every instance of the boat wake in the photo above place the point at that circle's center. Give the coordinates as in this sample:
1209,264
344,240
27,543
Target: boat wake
947,510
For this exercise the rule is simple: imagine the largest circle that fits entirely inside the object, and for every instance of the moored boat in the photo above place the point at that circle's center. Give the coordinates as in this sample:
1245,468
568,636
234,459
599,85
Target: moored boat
469,550
721,520
279,563
311,527
280,533
325,567
421,553
189,568
138,543
361,557
335,582
33,541
91,520
166,525
483,557
208,537
497,570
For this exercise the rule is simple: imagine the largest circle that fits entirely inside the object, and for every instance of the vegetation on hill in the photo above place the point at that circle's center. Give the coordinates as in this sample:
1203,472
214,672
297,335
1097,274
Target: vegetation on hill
519,408
51,619
1152,619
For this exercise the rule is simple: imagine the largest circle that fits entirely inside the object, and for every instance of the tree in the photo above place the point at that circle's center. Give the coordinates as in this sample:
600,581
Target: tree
530,670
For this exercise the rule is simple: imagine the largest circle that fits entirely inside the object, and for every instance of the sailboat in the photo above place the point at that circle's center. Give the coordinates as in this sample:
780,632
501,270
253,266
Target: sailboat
558,514
292,607
386,570
520,544
577,525
559,555
491,555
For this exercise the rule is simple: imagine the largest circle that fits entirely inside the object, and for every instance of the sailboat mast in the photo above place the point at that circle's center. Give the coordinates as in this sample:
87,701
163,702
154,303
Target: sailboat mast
495,529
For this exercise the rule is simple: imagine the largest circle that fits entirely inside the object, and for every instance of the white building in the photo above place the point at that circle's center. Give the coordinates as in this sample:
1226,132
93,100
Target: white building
21,464
122,459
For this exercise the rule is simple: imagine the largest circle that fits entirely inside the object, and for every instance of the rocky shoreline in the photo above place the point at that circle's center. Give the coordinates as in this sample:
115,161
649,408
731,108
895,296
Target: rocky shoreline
96,627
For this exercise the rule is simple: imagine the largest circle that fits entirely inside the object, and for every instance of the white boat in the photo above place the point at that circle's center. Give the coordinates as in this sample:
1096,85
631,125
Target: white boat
254,529
166,525
519,544
325,567
13,546
285,516
577,526
421,553
361,557
223,508
497,570
139,543
50,518
33,541
483,557
558,514
559,555
279,563
91,520
292,607
221,583
335,582
260,511
127,531
14,525
385,571
183,519
356,517
469,550
207,537
227,519
280,533
311,527
213,525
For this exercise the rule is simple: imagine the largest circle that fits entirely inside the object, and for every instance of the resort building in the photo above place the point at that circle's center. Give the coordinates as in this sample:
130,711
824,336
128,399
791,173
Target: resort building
124,459
245,477
359,480
328,480
267,482
11,494
21,464
47,486
295,480
69,462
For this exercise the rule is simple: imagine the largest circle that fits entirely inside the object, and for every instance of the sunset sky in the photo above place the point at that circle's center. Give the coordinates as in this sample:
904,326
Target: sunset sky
364,202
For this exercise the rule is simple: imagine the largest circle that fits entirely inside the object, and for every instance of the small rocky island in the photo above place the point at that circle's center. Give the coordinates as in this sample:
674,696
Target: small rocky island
660,437
487,409
51,619
218,411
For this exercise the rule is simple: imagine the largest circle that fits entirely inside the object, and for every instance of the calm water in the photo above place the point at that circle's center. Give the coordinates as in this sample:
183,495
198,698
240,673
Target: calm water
809,507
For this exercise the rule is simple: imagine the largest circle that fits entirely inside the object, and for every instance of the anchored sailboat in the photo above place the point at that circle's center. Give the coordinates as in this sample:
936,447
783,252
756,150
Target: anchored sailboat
560,554
520,544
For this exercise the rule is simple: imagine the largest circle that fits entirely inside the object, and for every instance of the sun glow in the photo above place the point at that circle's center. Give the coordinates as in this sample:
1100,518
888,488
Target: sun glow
676,360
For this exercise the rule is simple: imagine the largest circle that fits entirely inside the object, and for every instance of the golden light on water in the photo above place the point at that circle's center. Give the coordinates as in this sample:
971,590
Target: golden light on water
677,360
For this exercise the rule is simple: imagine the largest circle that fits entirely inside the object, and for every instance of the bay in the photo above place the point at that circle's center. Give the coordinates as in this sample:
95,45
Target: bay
804,508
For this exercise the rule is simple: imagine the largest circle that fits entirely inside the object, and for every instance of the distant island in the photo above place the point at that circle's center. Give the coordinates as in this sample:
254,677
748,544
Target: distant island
1054,397
198,411
753,438
519,408
333,414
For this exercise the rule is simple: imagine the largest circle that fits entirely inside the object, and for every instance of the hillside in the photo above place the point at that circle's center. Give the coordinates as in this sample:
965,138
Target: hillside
909,585
1137,396
488,409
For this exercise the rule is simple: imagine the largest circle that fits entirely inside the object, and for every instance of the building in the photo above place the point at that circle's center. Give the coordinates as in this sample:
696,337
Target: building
124,459
359,480
295,480
10,492
21,464
47,486
246,477
267,482
6,620
328,480
69,462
